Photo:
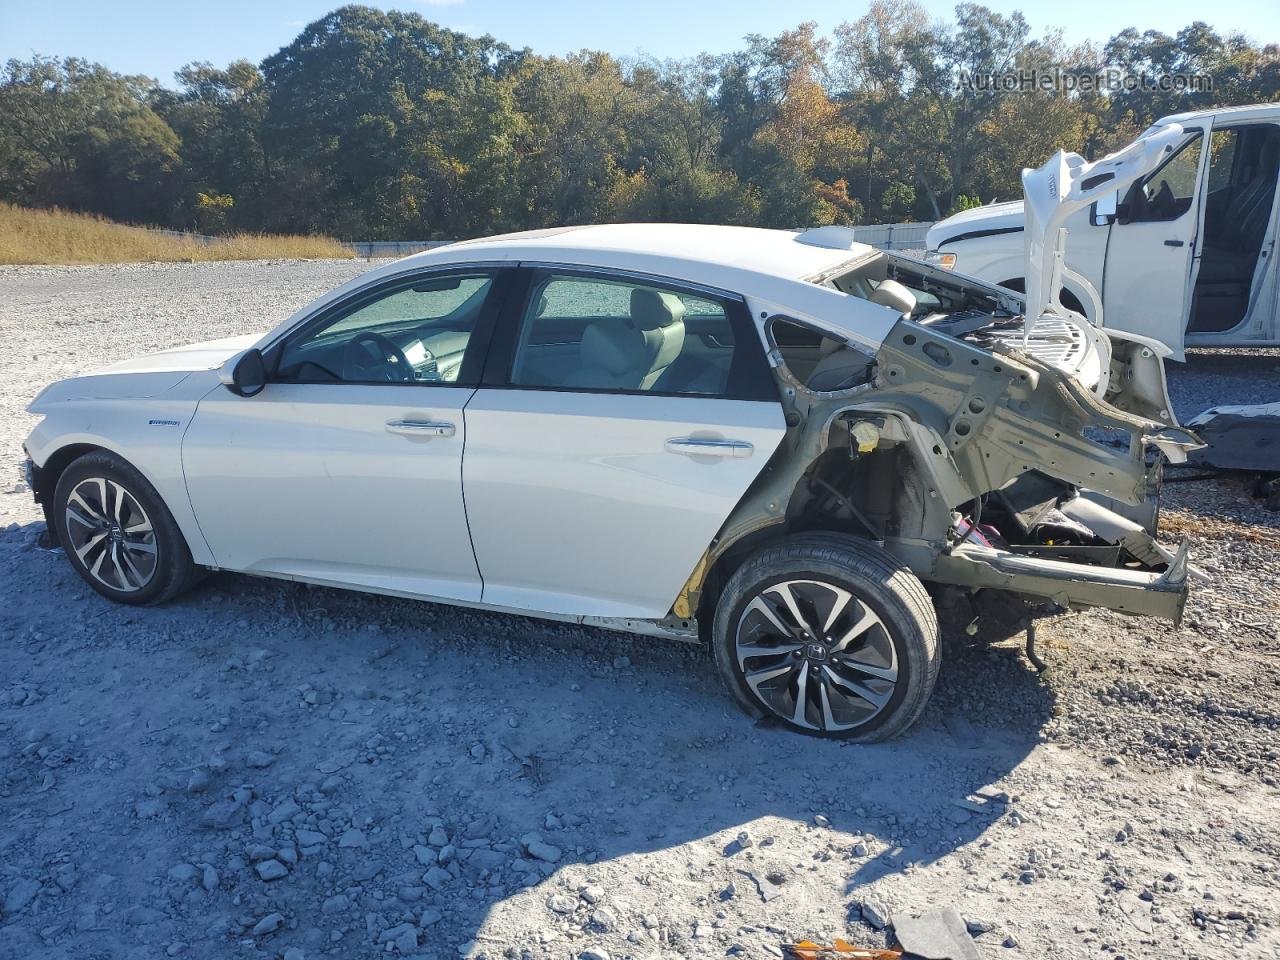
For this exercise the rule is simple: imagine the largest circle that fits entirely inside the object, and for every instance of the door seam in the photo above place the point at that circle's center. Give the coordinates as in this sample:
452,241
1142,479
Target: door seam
466,515
186,486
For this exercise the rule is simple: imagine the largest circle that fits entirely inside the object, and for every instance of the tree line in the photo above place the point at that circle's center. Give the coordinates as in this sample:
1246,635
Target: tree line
383,125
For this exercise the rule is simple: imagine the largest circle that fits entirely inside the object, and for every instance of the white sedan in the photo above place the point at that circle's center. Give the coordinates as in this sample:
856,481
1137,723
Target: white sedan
763,440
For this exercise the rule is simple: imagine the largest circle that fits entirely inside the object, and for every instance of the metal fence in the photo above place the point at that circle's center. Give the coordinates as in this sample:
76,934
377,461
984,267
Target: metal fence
893,236
883,236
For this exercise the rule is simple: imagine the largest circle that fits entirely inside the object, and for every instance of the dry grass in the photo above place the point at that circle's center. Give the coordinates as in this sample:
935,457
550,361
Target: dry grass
55,236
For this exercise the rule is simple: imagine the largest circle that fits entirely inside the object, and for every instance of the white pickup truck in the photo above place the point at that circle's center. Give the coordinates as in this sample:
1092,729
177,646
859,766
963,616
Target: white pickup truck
1184,255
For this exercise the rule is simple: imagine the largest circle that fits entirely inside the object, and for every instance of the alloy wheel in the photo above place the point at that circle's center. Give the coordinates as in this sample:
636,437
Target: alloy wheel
111,534
816,655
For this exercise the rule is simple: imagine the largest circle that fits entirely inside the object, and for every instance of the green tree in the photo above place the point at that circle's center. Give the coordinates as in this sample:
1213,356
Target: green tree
76,135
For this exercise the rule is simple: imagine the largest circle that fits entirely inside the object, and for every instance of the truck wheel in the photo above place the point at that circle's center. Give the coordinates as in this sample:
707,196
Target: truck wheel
828,635
117,532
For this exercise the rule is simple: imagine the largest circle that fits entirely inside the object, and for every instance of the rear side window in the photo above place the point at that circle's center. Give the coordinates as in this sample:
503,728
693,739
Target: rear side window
599,333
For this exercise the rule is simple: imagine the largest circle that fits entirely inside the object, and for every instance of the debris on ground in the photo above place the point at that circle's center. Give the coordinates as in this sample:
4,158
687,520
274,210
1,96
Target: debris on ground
1239,437
839,950
935,935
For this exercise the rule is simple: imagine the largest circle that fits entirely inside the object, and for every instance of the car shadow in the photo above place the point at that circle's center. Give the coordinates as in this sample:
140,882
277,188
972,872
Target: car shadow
606,747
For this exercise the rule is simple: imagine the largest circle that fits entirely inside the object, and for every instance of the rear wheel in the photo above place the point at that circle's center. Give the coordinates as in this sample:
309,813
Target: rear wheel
117,532
828,635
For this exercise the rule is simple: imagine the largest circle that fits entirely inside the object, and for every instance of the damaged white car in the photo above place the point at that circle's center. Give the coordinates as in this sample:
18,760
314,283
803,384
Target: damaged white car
771,441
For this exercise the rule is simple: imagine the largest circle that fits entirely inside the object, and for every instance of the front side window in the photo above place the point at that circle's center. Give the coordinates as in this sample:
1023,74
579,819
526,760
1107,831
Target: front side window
593,333
1168,193
409,331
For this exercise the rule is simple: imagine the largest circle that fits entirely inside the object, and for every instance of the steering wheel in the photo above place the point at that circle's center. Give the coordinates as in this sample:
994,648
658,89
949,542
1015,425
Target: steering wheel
371,356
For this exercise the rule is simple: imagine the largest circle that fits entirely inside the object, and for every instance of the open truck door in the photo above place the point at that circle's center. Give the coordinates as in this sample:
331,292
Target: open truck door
1151,256
1138,268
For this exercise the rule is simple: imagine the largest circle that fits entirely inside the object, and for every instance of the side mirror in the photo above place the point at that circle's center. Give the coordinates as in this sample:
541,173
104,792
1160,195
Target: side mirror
245,374
1105,209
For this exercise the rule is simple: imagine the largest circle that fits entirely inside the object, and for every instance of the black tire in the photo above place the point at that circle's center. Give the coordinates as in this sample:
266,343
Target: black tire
172,570
902,637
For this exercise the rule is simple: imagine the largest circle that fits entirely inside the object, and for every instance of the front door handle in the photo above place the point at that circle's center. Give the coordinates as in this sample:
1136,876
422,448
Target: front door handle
1173,243
422,428
699,447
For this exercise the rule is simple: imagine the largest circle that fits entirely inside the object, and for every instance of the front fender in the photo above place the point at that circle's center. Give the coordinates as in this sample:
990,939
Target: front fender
147,433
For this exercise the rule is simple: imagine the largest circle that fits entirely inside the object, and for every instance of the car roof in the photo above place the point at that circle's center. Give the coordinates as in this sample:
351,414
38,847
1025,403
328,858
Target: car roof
770,269
712,255
1247,111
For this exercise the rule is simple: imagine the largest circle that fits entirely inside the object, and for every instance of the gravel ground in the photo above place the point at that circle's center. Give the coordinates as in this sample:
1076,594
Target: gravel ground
265,770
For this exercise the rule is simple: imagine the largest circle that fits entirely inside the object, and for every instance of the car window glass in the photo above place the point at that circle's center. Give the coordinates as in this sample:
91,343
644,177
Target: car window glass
412,331
1167,193
604,334
1222,154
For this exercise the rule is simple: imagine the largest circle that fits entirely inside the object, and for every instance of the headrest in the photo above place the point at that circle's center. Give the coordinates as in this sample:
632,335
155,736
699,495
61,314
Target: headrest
612,344
663,345
651,309
890,293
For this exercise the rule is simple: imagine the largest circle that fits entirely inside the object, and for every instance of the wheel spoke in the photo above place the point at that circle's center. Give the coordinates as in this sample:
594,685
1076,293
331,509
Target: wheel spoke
802,697
757,677
118,510
759,606
828,718
138,546
96,569
870,669
117,572
83,551
863,624
788,596
842,600
83,513
103,509
859,690
126,563
748,650
142,526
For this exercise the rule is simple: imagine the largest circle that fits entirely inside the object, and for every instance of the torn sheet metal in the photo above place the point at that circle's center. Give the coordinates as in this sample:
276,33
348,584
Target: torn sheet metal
1239,437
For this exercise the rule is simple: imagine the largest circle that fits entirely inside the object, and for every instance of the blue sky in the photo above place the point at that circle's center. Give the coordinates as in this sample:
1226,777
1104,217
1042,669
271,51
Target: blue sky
155,37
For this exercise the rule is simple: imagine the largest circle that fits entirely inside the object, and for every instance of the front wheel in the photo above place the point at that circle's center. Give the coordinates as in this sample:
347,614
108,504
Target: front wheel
117,532
830,636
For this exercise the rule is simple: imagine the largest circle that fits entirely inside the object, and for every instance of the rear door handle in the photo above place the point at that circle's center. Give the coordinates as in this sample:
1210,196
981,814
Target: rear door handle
1173,243
699,447
422,428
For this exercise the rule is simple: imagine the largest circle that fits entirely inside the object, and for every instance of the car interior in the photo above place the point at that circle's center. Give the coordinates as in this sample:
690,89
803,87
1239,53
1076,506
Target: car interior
414,332
596,334
1244,165
1169,191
